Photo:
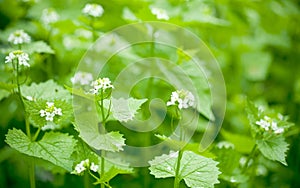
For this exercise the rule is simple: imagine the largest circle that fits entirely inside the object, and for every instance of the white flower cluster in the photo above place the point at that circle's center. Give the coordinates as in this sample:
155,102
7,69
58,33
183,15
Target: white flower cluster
268,124
49,16
101,83
82,78
18,55
83,165
93,9
160,14
50,111
19,37
182,98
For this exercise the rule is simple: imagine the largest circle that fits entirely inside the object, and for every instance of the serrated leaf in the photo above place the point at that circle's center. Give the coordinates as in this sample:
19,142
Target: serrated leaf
273,148
48,90
195,170
124,109
54,147
38,47
112,170
112,141
34,107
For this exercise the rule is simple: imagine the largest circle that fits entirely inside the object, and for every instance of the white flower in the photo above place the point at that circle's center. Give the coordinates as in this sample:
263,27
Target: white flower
225,144
57,111
18,55
182,98
82,78
263,124
49,116
94,167
50,112
83,165
268,124
160,14
94,10
30,98
101,83
19,37
49,16
79,168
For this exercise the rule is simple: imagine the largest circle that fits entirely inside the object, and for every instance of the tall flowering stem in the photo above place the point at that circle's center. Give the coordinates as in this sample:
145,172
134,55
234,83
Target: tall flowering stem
181,99
19,58
102,89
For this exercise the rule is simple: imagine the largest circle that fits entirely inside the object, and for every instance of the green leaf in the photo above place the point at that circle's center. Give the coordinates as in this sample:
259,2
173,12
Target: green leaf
48,90
195,170
113,169
201,84
112,141
273,148
124,109
34,107
38,47
242,143
54,147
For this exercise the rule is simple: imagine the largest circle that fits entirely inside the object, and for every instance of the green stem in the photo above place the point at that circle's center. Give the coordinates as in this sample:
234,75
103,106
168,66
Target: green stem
180,152
251,155
103,124
31,165
36,134
177,180
32,173
102,168
86,181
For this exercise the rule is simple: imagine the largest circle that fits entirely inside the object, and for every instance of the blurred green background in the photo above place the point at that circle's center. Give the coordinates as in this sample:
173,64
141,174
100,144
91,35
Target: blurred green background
256,43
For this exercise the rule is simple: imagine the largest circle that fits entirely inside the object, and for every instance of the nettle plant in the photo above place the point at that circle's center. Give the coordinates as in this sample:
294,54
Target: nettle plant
48,110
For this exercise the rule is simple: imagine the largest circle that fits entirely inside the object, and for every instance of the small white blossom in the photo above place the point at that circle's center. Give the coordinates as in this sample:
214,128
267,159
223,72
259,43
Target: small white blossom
101,83
94,10
30,98
94,167
79,168
19,37
50,112
82,78
268,124
225,144
49,16
84,165
182,98
18,55
160,14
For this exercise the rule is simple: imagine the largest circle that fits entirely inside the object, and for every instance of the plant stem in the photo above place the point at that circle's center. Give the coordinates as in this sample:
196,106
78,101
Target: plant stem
32,173
86,181
180,152
31,165
23,105
177,180
251,155
102,185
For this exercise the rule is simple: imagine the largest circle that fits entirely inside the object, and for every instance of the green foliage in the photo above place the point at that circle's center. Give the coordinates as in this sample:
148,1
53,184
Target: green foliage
195,170
54,147
48,90
273,148
256,44
124,109
38,47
